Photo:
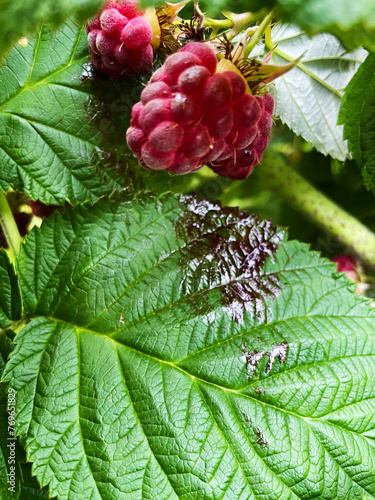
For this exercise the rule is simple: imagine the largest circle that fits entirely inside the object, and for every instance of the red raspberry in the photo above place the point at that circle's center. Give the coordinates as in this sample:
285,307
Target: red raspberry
190,116
245,144
121,39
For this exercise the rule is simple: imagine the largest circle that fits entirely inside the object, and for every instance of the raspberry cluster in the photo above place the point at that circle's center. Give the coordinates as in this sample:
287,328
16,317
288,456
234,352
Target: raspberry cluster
190,116
121,39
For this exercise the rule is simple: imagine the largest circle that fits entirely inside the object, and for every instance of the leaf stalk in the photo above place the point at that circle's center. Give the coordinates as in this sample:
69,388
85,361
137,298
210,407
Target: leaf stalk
9,226
320,210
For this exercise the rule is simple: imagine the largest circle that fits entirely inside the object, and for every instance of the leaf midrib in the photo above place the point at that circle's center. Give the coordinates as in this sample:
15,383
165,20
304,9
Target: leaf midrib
194,380
194,377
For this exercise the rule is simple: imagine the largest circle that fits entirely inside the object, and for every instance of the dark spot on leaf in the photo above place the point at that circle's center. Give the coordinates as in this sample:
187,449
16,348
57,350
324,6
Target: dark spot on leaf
260,438
252,358
258,390
226,250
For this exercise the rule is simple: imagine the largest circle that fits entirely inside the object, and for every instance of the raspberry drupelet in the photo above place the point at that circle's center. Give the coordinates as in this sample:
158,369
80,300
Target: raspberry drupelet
190,115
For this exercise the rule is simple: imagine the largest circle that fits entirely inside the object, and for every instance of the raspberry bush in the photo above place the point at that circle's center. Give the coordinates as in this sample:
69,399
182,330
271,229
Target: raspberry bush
161,335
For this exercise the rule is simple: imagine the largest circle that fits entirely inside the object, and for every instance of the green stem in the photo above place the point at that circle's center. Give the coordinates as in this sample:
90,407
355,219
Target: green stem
316,207
236,23
9,226
218,23
255,38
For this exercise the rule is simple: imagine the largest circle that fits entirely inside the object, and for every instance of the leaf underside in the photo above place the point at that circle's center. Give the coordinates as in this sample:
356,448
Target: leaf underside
149,371
308,98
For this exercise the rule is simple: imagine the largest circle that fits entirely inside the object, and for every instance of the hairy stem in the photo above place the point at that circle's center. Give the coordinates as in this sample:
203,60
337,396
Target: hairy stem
316,207
9,226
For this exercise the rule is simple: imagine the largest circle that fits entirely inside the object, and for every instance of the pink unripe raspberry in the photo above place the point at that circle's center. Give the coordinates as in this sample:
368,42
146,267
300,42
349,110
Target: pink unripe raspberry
220,122
140,60
215,151
166,137
247,112
135,138
122,34
137,33
158,76
184,109
243,137
112,22
189,117
154,113
205,55
111,64
106,44
217,93
155,159
265,123
268,103
129,8
176,64
93,24
184,165
197,141
238,85
192,80
92,36
154,91
136,112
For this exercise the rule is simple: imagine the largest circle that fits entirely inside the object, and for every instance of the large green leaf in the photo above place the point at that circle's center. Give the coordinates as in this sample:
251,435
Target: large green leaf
358,116
352,22
308,98
56,118
19,19
180,350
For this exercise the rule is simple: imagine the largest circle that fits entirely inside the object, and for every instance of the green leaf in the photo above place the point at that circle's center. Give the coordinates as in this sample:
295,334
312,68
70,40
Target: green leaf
10,298
25,486
308,98
352,22
55,121
19,19
181,350
357,113
5,348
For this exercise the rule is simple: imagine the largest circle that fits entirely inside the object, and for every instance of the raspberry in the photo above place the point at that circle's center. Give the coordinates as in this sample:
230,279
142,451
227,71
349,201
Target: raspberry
154,91
245,145
166,137
121,39
190,116
206,56
40,210
217,93
136,138
137,33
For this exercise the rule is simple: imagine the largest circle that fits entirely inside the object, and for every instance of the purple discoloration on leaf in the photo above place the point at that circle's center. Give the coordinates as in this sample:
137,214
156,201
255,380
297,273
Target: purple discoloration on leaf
226,250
